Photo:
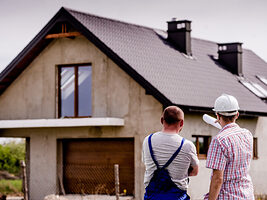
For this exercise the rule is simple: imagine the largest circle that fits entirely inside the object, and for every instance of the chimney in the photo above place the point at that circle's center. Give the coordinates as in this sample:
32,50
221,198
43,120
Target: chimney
230,55
179,34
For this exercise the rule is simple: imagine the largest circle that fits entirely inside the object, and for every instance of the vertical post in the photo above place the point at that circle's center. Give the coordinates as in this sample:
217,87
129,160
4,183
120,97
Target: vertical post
24,180
197,145
117,181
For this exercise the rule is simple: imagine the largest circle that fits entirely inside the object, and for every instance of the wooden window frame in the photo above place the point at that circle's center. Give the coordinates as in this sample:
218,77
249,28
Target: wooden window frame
255,148
206,138
76,88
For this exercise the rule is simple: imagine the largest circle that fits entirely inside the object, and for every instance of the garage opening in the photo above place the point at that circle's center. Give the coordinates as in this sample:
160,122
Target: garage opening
13,174
88,165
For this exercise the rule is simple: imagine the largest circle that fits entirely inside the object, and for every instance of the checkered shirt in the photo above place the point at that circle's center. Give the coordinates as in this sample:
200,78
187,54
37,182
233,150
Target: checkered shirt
231,151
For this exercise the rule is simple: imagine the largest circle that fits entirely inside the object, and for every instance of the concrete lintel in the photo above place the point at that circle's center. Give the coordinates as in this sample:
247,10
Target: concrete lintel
69,122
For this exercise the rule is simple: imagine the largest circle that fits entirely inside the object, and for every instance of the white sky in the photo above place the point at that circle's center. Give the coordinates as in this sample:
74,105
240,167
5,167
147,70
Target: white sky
6,140
216,20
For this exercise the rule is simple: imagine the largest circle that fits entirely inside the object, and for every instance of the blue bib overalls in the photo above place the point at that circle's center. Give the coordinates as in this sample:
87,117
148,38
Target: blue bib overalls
161,187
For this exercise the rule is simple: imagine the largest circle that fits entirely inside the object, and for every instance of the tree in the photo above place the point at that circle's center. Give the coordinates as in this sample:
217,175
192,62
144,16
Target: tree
10,156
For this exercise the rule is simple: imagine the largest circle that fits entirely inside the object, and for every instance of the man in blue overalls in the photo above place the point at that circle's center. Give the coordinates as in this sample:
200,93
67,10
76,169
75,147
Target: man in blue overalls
169,159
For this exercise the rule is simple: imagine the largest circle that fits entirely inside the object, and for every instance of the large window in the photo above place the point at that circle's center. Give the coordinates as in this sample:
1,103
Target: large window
202,145
75,90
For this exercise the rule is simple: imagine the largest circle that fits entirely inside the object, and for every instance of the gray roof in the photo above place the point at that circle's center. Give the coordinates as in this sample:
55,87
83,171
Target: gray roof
185,81
169,75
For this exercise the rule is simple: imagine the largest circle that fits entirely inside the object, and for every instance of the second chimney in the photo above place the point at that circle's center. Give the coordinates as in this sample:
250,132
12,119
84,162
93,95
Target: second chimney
230,55
179,33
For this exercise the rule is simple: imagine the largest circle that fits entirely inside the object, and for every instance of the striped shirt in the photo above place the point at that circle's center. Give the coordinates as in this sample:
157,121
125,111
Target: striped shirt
231,151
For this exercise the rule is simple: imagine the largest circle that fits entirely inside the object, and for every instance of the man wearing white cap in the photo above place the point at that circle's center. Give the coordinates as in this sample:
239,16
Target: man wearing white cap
230,154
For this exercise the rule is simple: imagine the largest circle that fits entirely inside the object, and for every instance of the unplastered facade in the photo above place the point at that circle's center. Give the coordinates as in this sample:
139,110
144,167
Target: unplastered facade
33,95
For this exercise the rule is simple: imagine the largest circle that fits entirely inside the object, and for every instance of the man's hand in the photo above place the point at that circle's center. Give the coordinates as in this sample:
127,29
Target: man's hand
193,170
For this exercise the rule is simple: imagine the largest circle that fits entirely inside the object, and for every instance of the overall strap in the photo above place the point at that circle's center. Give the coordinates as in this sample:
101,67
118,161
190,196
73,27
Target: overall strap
170,160
174,155
151,150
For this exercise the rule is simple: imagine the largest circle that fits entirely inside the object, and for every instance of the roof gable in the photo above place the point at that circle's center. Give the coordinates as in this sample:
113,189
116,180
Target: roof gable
144,53
15,68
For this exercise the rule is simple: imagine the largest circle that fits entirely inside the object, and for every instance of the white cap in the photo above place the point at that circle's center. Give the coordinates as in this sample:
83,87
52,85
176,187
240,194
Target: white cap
226,105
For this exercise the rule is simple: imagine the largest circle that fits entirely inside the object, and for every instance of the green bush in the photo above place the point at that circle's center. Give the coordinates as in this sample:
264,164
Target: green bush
11,187
10,156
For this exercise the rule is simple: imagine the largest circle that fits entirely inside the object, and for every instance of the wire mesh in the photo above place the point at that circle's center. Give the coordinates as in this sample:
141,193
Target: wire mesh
88,179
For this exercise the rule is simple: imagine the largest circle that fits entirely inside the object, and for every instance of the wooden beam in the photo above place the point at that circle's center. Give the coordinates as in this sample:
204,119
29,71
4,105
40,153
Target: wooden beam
62,35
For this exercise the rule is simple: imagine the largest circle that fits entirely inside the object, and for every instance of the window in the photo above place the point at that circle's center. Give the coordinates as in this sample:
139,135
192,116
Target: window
202,145
255,88
261,89
263,79
75,91
255,148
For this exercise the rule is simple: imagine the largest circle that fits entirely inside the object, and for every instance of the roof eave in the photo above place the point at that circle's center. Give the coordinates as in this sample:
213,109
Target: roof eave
209,110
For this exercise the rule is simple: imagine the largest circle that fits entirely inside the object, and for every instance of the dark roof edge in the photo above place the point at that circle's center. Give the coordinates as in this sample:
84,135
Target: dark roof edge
209,110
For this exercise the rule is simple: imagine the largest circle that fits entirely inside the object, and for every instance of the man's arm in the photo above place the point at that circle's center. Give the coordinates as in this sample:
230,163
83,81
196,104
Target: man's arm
193,170
216,184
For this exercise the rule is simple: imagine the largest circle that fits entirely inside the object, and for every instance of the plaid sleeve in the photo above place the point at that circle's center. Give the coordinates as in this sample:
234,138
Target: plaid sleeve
216,158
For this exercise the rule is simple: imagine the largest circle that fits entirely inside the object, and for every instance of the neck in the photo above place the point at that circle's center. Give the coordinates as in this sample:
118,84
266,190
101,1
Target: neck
170,130
223,124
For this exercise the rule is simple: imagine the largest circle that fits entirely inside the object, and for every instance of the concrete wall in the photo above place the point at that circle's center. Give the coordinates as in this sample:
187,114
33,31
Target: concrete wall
114,94
258,170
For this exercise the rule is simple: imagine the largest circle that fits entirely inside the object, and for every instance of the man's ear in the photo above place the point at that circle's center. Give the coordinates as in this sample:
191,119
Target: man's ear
182,123
237,115
161,120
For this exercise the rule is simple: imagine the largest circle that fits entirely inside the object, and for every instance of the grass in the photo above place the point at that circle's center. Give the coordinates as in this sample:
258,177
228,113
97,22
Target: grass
11,187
